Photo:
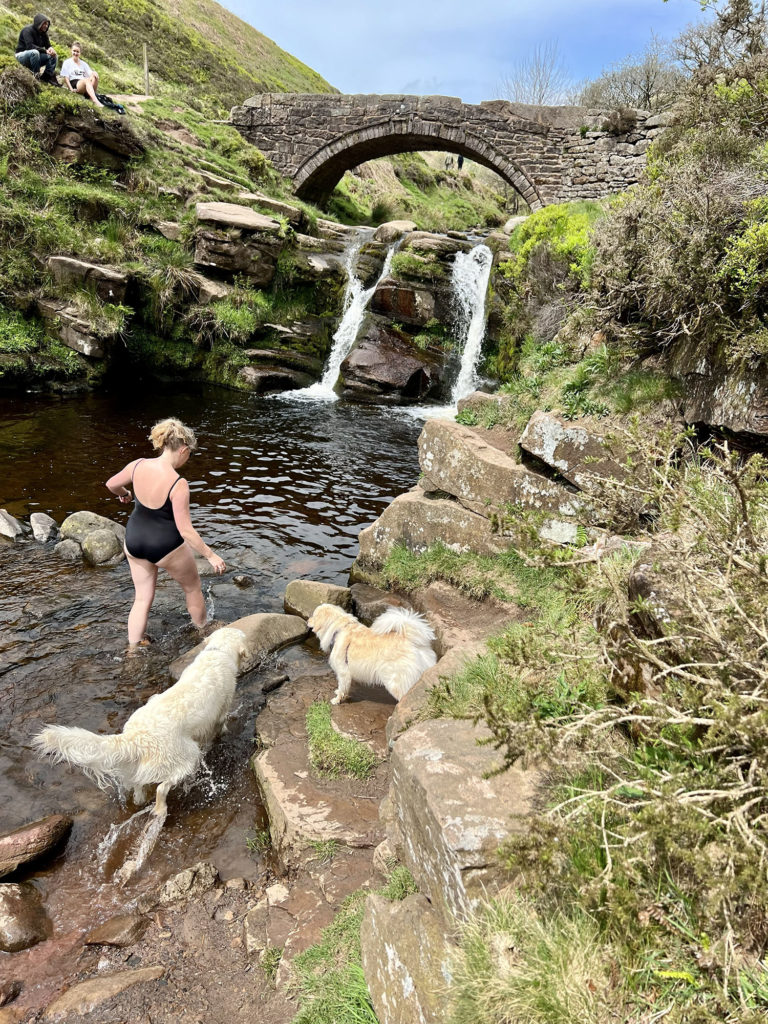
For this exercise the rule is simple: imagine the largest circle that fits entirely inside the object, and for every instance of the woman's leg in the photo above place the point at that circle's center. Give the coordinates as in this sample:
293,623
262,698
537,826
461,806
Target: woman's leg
85,87
181,566
144,576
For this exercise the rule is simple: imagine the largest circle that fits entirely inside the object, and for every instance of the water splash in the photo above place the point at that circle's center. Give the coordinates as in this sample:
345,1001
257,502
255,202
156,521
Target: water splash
145,846
356,299
108,843
471,272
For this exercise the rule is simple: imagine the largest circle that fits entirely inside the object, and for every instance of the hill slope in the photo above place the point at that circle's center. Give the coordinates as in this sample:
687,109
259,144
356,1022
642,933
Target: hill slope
193,44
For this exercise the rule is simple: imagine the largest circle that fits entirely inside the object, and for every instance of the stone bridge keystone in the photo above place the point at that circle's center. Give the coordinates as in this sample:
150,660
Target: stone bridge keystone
547,154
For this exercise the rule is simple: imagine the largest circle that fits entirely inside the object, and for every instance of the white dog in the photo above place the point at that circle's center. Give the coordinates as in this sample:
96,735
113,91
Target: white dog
393,653
164,741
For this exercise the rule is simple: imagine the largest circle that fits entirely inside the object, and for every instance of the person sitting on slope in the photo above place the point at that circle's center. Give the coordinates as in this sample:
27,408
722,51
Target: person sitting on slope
34,50
79,76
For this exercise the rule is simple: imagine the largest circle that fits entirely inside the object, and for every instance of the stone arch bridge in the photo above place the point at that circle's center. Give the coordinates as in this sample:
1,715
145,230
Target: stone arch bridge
547,154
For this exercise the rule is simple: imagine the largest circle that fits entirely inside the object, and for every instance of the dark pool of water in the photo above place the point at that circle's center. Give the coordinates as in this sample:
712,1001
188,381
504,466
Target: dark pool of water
279,489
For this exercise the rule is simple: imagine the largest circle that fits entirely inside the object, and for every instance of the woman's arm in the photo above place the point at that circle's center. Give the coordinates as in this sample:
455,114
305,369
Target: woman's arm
118,483
180,503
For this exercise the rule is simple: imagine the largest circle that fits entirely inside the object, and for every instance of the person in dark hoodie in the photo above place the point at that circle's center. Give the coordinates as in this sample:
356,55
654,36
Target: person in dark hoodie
34,50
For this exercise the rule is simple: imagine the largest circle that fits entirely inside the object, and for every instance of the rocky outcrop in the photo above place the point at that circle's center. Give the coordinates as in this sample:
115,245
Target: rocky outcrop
385,362
233,239
407,960
574,451
449,816
100,139
66,323
109,284
403,302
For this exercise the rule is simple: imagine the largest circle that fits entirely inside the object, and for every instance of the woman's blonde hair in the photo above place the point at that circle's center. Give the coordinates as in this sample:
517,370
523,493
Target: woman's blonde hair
172,434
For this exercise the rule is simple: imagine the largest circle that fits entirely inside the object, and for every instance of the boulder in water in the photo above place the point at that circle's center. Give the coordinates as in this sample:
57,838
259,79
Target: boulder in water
69,550
44,528
102,546
303,596
384,361
77,526
30,841
10,526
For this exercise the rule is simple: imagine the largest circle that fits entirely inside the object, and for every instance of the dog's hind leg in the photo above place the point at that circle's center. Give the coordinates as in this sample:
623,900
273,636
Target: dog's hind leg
338,662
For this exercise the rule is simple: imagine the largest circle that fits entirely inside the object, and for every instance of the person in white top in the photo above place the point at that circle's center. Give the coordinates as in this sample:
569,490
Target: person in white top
79,77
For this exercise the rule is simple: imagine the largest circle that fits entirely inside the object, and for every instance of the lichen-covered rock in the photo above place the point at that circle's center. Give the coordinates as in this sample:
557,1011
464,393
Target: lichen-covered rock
575,452
101,546
450,817
460,461
407,956
80,524
418,521
69,550
303,596
23,920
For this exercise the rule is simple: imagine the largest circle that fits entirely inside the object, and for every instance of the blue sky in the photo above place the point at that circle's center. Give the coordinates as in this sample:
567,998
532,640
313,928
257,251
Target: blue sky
456,47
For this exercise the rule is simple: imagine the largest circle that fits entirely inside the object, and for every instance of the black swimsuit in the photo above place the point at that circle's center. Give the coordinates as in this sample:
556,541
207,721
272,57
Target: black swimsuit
152,533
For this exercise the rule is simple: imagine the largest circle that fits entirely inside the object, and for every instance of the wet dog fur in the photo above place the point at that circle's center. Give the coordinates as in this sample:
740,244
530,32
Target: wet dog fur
163,741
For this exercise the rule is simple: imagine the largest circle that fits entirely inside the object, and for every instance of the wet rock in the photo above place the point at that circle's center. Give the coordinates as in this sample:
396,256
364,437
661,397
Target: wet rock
10,526
303,596
44,528
109,284
460,461
101,546
384,359
450,818
265,632
80,524
368,602
88,995
274,681
31,841
265,379
406,957
576,453
23,920
403,303
418,521
393,229
123,930
69,550
189,884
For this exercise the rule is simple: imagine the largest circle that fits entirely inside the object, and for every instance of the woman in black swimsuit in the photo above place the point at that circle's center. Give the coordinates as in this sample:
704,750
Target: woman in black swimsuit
160,528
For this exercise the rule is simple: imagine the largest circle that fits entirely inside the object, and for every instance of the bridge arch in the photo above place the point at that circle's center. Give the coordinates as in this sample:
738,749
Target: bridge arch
319,174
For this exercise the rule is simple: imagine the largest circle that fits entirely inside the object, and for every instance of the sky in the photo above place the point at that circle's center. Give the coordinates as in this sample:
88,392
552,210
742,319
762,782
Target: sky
461,48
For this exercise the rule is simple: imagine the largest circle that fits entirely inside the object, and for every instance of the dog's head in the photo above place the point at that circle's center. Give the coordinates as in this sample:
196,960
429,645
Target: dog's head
325,620
231,641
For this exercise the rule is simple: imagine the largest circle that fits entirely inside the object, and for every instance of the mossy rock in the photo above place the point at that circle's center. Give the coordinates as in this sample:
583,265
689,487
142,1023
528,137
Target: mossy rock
17,85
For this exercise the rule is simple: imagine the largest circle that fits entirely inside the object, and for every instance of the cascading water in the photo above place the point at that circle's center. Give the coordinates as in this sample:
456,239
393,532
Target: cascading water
356,299
471,271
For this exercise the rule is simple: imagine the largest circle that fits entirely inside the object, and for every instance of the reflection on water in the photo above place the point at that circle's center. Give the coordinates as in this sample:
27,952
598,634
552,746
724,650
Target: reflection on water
279,490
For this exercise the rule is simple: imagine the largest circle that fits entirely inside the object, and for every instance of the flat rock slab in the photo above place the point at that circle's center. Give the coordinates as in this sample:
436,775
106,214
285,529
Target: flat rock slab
265,632
123,930
30,841
418,521
88,995
368,602
235,216
303,596
303,808
450,818
406,960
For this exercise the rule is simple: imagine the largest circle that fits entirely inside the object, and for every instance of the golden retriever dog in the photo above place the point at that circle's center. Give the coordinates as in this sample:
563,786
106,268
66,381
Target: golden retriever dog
392,653
163,741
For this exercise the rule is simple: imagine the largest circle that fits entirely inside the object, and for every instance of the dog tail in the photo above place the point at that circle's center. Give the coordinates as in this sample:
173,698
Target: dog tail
405,622
105,759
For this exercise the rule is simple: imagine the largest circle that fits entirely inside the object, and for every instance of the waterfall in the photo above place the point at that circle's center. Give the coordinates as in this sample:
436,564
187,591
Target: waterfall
356,299
471,271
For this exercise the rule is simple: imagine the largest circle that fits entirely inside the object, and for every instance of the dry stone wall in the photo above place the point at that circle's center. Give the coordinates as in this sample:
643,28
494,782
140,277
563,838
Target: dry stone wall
548,154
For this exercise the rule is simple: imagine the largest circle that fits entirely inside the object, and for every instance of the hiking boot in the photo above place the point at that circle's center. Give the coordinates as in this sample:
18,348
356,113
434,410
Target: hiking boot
50,80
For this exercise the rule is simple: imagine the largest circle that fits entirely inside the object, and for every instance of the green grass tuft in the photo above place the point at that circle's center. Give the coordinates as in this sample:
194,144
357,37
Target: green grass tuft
332,754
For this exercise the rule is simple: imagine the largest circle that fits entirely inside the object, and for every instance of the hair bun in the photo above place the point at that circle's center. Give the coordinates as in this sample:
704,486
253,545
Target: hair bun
172,434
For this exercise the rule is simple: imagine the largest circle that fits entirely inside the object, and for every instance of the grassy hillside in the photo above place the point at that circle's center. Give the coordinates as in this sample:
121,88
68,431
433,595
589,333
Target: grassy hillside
192,44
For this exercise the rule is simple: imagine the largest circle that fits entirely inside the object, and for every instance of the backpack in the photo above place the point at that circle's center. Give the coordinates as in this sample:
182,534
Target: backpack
110,104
